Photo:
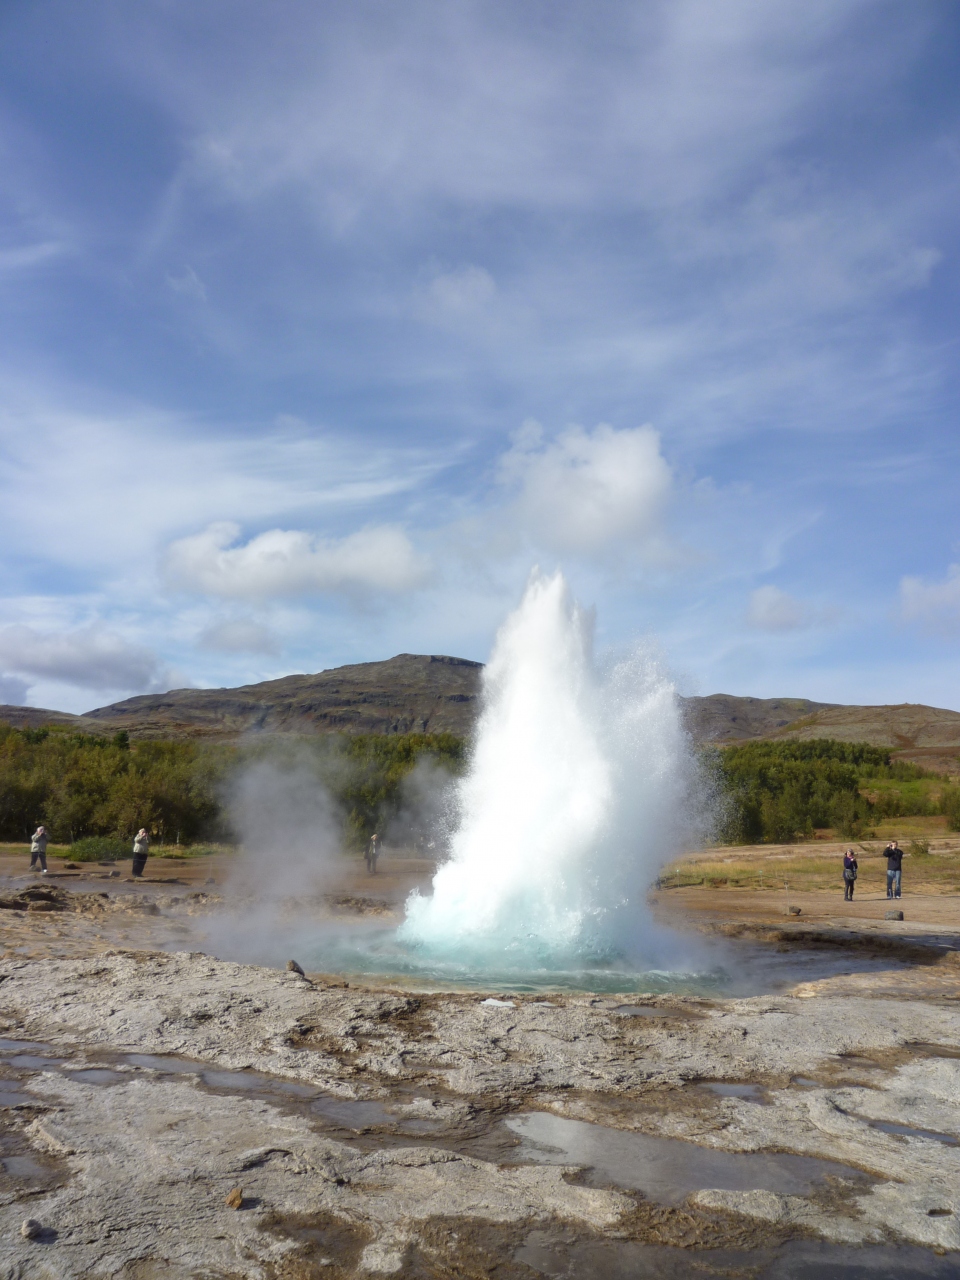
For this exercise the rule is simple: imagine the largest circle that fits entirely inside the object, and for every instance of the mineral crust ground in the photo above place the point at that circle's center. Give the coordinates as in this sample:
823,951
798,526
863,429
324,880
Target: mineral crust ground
165,1114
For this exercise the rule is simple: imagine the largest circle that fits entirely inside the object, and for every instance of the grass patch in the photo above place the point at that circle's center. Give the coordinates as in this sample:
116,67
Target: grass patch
811,869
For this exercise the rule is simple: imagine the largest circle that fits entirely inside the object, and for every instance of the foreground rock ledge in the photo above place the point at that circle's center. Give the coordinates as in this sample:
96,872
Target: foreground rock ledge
134,1170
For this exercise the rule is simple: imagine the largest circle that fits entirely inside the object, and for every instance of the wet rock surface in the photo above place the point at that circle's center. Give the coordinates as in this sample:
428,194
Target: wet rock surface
169,1115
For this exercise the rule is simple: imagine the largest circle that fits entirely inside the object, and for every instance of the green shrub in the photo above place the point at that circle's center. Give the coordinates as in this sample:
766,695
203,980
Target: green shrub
950,805
99,849
919,848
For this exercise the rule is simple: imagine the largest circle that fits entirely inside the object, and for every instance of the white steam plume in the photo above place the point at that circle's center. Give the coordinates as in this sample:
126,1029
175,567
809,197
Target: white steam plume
289,828
578,791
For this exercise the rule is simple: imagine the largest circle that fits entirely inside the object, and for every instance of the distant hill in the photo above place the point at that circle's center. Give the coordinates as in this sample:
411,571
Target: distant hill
724,718
411,693
423,693
928,736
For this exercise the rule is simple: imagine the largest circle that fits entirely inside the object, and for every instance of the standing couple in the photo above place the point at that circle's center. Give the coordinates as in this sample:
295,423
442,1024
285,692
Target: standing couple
894,865
894,856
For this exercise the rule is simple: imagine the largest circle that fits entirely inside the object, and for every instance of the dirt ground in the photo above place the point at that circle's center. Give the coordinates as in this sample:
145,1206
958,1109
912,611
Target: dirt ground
394,879
770,905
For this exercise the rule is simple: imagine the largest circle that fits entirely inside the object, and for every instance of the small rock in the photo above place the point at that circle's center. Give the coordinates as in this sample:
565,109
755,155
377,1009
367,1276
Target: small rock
893,915
793,911
30,1229
293,967
500,1004
209,880
71,866
235,1199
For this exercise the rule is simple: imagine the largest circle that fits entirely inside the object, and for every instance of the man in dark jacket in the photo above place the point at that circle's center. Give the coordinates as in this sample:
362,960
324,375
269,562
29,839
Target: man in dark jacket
894,864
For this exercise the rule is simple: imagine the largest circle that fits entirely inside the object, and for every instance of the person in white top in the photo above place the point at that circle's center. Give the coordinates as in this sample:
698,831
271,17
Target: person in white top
38,849
141,847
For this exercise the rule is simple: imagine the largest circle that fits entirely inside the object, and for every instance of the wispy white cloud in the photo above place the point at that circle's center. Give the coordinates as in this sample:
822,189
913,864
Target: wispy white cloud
285,563
116,485
461,292
771,609
188,283
934,605
468,104
30,255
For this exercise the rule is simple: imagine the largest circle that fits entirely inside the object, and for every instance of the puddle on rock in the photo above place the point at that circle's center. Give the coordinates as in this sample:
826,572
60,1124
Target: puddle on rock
166,1062
795,1260
33,1062
343,1113
22,1046
235,1081
98,1075
665,1170
23,1167
358,1115
734,1089
908,1131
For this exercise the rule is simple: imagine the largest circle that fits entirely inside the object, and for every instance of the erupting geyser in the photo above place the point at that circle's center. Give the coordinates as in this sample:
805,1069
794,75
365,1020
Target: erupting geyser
577,792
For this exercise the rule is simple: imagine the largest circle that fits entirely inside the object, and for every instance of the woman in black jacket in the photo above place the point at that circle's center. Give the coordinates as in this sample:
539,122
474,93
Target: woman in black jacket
849,874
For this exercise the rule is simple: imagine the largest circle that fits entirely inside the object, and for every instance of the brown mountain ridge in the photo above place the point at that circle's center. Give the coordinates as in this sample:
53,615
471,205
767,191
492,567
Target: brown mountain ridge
434,693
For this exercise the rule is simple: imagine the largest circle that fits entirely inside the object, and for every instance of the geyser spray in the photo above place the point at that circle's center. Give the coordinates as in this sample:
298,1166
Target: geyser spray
577,792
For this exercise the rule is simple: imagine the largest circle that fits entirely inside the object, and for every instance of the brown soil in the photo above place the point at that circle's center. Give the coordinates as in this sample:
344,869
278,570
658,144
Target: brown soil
770,906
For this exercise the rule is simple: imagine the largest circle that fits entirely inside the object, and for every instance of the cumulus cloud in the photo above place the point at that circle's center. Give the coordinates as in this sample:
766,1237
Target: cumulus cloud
287,562
585,490
90,657
13,691
774,610
936,604
238,635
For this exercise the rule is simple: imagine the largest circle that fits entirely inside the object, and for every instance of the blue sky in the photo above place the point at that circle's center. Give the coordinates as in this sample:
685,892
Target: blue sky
322,323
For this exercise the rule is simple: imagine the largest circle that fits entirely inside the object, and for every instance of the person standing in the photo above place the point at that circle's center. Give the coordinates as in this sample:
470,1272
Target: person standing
372,854
38,850
849,874
894,869
141,848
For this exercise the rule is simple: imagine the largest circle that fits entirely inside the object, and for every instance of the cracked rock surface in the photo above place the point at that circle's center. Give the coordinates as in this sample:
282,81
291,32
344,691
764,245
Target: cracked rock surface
366,1127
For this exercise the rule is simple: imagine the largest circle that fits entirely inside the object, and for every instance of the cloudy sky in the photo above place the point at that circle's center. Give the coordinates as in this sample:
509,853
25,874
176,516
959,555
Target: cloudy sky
323,322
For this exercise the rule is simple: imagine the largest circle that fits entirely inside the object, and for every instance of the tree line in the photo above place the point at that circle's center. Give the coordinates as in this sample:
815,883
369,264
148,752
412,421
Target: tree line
783,791
81,785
